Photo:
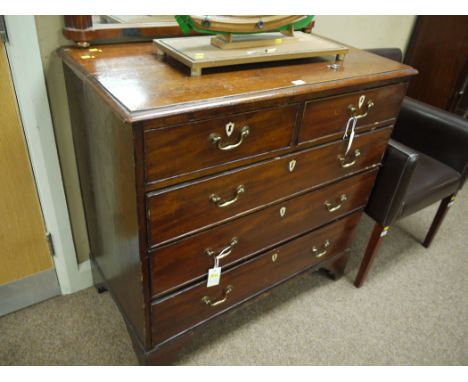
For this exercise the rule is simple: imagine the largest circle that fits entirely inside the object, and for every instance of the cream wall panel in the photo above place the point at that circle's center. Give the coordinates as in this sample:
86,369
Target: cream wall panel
49,30
367,32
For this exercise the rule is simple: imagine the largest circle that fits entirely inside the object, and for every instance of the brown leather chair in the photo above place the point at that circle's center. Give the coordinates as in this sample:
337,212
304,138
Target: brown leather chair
426,162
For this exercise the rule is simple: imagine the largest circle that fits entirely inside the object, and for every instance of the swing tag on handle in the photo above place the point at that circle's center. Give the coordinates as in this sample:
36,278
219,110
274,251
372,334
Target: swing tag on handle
350,125
214,274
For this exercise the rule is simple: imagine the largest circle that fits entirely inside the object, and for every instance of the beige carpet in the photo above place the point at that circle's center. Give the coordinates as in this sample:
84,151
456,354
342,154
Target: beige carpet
413,310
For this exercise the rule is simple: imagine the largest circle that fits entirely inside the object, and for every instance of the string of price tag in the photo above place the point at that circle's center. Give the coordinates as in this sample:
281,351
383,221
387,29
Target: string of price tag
350,126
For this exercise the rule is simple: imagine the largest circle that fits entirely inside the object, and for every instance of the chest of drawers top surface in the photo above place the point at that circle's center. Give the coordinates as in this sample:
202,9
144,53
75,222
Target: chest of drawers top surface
141,85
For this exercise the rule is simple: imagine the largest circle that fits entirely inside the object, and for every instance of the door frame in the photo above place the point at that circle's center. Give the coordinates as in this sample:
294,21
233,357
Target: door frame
28,79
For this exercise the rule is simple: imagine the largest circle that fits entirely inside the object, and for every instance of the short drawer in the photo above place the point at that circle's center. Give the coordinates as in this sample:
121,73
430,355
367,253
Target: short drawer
327,118
179,211
188,260
196,304
193,147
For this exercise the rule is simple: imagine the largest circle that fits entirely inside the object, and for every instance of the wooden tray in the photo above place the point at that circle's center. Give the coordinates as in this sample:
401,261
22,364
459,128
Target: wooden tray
197,52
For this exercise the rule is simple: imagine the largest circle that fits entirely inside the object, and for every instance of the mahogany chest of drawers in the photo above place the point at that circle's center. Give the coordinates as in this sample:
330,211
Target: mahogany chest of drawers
246,168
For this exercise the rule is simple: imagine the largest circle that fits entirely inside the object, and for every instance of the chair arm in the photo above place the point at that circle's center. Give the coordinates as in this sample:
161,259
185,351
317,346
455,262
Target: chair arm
434,132
386,200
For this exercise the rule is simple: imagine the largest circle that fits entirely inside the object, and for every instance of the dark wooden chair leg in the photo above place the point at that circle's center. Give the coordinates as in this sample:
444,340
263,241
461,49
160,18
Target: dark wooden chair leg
438,219
371,253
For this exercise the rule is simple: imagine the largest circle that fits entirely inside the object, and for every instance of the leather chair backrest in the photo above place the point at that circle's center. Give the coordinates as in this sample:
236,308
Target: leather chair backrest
391,53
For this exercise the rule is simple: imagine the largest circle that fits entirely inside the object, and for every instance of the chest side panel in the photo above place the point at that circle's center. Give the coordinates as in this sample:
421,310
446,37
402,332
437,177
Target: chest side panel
104,147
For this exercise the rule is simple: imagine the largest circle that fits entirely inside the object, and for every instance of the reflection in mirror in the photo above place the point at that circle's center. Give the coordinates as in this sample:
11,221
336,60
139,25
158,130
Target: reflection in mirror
133,19
87,29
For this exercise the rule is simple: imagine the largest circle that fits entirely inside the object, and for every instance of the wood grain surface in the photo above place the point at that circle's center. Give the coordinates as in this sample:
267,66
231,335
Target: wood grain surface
183,149
182,311
188,208
176,265
328,117
141,85
105,156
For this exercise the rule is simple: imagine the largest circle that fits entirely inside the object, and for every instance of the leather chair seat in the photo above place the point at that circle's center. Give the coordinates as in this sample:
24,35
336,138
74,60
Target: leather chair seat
431,181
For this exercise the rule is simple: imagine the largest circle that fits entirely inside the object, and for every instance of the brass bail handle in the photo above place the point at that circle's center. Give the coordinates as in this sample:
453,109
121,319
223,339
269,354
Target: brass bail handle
206,300
352,109
331,208
344,161
226,251
216,139
325,246
216,199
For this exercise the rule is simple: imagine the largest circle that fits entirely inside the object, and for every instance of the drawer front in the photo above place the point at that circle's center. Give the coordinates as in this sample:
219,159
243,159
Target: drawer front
180,211
189,259
198,303
188,148
328,117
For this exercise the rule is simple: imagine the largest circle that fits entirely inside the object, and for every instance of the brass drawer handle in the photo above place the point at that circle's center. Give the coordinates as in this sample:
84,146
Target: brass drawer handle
216,139
331,208
217,199
344,163
318,254
208,301
353,109
226,251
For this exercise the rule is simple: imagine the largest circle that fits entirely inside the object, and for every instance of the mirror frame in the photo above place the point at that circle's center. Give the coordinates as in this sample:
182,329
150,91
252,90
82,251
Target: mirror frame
80,29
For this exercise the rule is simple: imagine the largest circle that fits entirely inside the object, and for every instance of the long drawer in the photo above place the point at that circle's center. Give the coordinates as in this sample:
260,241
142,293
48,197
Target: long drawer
188,308
327,118
188,260
193,147
188,208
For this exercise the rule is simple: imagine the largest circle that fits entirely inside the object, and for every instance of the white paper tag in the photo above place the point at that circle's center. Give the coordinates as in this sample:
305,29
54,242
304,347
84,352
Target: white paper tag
384,232
214,275
298,82
352,121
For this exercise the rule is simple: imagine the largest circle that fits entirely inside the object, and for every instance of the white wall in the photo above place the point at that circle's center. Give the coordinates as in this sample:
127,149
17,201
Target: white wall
367,32
49,30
